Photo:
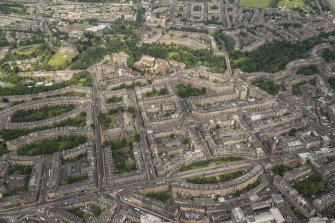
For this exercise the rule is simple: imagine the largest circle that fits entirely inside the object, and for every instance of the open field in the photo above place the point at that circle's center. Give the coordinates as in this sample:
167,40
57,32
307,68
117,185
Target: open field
27,50
290,4
255,3
60,60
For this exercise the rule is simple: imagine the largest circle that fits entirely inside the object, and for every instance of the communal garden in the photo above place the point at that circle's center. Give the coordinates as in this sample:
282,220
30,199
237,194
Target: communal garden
255,3
49,146
217,178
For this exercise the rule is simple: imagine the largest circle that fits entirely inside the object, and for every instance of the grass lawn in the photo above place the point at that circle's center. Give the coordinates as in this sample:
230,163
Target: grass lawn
27,50
31,221
240,60
207,163
82,81
18,9
195,0
290,4
216,179
10,85
255,3
61,60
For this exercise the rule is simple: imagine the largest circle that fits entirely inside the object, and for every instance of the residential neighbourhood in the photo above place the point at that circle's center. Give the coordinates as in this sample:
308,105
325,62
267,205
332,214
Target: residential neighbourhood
167,111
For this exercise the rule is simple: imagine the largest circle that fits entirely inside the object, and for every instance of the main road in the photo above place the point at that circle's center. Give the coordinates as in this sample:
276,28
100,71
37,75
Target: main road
26,209
100,162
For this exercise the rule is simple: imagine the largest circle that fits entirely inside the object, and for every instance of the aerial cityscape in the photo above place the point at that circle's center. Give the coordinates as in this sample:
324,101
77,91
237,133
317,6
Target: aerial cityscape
150,111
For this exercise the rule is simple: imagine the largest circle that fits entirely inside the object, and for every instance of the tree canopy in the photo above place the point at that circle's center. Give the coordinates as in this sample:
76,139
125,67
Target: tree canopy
267,85
311,185
49,146
273,57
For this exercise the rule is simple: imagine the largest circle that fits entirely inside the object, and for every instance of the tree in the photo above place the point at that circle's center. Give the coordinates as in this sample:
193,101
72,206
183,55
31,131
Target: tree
267,85
273,57
309,70
331,81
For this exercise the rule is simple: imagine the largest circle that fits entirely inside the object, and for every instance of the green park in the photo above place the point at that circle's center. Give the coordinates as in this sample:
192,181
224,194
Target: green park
27,50
255,3
216,179
207,163
49,146
291,4
60,61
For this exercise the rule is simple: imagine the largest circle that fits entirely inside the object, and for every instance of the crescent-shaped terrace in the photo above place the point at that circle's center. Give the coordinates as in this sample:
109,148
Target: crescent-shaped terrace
48,134
224,188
